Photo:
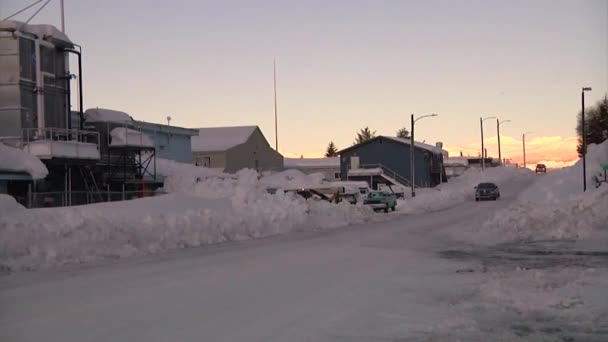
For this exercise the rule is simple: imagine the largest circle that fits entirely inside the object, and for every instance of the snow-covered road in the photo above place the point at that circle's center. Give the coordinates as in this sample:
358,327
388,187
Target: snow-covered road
406,279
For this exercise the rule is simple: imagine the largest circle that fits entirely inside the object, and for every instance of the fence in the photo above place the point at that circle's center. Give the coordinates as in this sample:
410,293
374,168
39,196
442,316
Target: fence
67,198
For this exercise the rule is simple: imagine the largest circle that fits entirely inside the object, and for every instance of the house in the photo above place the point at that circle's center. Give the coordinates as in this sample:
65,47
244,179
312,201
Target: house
234,148
456,166
329,167
169,142
386,160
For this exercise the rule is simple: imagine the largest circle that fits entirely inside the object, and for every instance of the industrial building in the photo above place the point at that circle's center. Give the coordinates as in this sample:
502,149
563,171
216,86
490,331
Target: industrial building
87,160
170,142
234,148
386,160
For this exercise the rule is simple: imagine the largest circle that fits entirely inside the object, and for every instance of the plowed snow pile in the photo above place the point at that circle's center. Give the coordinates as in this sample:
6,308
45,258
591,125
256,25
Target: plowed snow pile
216,208
555,206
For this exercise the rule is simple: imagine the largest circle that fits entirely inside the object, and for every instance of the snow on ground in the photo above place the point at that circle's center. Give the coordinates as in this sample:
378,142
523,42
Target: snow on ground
458,190
555,206
13,159
210,210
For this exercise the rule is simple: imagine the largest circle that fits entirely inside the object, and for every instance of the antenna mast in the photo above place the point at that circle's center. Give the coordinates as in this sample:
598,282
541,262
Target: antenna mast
276,130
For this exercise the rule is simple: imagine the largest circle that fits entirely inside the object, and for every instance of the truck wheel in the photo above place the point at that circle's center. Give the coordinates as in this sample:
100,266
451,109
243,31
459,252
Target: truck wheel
386,209
393,208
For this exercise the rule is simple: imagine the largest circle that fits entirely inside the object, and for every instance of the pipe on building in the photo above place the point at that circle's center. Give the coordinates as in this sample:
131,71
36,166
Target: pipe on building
80,112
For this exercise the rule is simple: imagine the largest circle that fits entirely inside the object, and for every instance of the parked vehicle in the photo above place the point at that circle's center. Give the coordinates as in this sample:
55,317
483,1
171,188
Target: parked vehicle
541,168
398,190
487,191
381,200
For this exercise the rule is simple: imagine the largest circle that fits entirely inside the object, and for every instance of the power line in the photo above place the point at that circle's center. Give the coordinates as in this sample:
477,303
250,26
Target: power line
23,10
38,11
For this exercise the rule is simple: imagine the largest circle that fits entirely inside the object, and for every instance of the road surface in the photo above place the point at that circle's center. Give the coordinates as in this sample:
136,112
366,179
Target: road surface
401,280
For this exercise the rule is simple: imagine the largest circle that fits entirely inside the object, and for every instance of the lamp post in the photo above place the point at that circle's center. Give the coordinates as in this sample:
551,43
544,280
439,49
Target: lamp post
498,122
584,137
483,149
168,121
413,122
523,139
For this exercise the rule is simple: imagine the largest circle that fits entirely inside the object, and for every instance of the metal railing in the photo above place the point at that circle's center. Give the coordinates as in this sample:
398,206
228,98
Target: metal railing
59,134
67,198
387,171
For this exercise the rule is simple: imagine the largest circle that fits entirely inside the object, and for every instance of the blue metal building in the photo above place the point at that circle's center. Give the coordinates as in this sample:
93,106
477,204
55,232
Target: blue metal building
171,142
386,160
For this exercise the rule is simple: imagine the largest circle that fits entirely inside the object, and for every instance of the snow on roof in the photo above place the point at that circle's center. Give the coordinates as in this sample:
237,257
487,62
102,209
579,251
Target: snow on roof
42,31
423,146
103,115
311,162
220,138
122,136
15,160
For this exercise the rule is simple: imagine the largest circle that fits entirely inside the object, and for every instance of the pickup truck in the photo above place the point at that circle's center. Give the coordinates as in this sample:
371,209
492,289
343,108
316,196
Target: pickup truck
381,200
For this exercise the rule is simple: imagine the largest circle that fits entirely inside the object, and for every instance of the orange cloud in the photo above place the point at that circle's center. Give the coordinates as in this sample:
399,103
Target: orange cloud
555,151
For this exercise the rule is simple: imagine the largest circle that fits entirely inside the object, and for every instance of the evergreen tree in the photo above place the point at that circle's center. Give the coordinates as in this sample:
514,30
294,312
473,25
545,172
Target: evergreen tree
332,150
364,135
596,125
403,133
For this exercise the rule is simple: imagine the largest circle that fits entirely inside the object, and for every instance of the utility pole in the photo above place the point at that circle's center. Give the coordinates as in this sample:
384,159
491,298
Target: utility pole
498,133
412,145
276,127
523,139
62,18
584,137
483,160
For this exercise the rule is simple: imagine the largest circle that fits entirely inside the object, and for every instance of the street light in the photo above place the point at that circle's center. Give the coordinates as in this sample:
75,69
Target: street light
523,139
584,138
483,159
168,121
498,132
412,180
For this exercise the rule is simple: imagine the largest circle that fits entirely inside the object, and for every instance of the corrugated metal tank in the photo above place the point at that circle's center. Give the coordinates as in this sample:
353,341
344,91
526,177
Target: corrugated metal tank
32,77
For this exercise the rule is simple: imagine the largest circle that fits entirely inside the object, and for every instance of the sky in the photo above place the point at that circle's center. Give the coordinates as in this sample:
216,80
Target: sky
346,64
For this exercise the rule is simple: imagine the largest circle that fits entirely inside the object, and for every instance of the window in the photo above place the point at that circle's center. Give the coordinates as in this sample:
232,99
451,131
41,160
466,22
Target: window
337,175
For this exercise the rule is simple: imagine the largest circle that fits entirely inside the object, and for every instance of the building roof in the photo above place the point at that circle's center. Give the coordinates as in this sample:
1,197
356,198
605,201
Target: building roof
430,148
216,139
153,126
312,163
106,115
42,31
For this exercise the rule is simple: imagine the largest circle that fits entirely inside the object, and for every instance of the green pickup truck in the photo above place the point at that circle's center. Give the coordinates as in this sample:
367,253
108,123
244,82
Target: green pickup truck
380,200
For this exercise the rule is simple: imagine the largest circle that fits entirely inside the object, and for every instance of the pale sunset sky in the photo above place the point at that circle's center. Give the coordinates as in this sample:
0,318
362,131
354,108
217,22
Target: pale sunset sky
346,64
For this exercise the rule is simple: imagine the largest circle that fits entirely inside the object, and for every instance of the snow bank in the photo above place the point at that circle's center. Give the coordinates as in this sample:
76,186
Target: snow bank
555,207
214,209
457,190
567,182
574,218
15,160
9,205
293,179
182,177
